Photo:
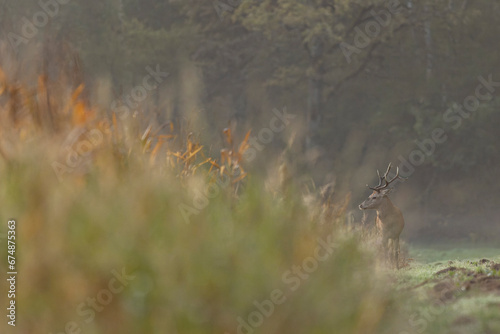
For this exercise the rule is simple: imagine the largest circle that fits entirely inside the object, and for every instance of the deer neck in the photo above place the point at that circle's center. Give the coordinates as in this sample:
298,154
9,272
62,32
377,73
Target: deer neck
386,208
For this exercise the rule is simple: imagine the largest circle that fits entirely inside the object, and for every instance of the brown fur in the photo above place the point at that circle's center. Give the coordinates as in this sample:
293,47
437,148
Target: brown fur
390,222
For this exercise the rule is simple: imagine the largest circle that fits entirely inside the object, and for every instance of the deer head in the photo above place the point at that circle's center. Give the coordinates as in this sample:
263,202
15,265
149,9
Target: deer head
380,192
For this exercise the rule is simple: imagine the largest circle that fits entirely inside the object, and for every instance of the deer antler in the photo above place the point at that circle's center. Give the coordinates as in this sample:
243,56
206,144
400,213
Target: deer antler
384,178
381,179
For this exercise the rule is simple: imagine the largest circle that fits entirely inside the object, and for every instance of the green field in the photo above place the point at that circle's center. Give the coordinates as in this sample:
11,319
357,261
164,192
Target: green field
428,253
451,288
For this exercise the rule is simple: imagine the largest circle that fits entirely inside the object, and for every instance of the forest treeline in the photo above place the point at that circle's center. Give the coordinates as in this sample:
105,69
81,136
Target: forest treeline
415,83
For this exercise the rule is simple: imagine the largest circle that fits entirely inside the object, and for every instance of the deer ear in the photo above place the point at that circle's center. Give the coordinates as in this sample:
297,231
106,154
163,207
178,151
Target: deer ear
386,191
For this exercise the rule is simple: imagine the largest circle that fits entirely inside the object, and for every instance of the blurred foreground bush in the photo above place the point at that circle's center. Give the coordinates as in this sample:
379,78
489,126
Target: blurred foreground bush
133,241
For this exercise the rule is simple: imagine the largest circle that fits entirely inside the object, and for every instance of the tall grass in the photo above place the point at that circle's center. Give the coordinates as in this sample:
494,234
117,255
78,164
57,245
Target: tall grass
202,271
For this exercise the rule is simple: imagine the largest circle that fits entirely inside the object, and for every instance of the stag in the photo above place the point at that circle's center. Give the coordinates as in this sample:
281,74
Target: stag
390,221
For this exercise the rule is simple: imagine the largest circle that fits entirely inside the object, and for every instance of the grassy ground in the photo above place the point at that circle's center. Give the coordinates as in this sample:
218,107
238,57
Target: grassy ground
457,251
453,288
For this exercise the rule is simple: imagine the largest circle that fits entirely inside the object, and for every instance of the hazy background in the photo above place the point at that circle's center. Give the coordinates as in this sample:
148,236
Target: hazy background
233,62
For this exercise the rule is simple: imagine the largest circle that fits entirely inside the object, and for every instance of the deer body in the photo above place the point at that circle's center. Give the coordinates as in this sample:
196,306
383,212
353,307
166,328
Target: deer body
390,221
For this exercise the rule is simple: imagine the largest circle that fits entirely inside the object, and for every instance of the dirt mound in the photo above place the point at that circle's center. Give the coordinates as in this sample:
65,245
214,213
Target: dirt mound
482,281
495,266
444,291
450,269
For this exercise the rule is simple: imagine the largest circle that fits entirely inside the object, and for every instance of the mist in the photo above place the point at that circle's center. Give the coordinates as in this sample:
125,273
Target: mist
300,101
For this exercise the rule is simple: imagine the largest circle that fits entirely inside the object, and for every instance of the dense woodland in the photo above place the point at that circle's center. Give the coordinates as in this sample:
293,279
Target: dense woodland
370,82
